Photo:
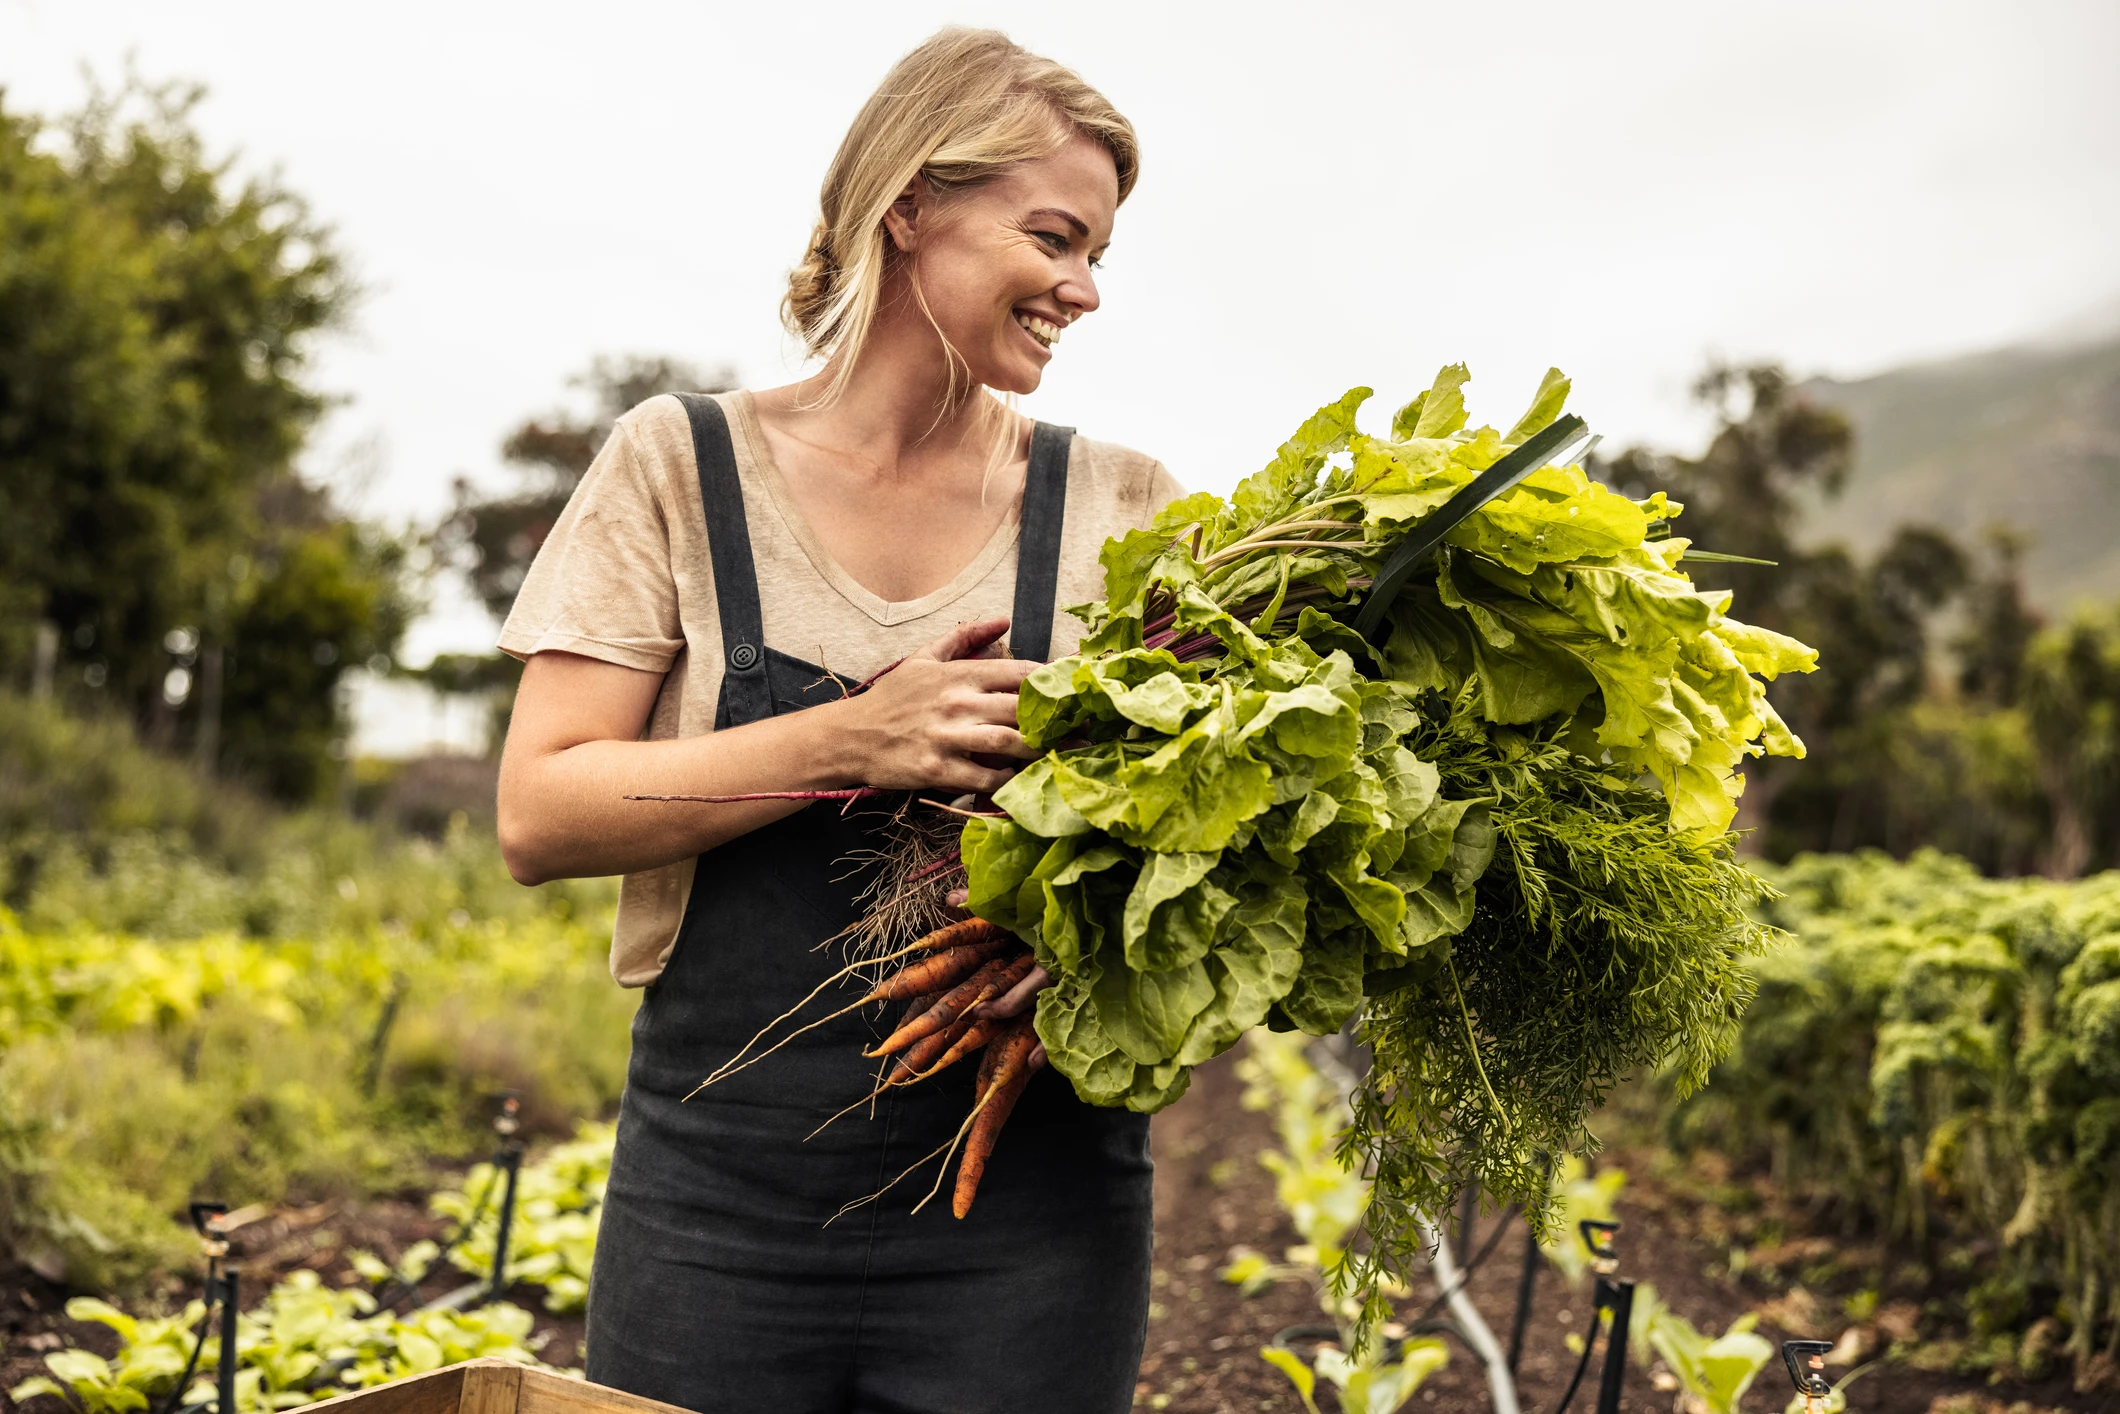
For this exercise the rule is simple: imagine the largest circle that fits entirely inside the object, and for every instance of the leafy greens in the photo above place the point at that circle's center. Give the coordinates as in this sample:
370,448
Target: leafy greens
1499,837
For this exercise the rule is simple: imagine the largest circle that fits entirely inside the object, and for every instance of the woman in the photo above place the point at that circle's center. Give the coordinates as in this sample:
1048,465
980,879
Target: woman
727,567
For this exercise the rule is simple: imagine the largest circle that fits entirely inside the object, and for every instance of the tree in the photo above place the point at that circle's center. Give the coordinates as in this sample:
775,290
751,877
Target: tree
1774,452
2071,693
156,320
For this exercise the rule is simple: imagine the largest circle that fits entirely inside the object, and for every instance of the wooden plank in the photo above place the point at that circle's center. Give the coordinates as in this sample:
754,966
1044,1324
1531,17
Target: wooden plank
490,1387
436,1392
545,1393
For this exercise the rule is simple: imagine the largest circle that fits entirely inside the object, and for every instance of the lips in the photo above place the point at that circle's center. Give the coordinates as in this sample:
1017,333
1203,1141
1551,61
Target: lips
1044,331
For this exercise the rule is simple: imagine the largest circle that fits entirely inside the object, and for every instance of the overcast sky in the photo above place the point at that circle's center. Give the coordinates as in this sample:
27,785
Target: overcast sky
1332,194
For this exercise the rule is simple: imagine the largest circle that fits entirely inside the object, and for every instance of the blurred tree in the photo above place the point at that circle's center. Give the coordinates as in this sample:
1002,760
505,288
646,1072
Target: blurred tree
2071,693
156,314
322,595
1773,453
495,538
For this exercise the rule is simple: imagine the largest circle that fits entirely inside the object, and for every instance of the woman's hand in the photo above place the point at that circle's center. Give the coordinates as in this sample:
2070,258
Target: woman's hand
924,724
944,719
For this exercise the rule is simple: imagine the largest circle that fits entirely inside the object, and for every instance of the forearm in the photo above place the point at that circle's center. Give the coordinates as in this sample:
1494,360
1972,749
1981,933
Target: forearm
564,813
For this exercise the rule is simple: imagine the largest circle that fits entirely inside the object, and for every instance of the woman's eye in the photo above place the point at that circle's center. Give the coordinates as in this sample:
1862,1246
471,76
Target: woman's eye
1054,241
1096,262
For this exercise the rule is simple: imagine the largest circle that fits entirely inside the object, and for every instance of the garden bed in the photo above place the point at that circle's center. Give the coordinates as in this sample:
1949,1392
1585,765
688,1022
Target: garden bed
1204,1336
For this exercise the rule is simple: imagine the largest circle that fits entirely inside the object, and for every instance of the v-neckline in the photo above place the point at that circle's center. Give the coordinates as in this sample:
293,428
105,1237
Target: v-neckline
884,611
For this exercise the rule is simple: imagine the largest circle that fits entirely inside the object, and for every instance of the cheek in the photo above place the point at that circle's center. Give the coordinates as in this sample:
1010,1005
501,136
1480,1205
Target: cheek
970,289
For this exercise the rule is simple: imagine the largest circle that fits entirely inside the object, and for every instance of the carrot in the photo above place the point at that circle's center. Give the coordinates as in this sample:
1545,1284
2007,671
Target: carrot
913,1062
1012,1071
937,970
956,935
954,1003
978,1034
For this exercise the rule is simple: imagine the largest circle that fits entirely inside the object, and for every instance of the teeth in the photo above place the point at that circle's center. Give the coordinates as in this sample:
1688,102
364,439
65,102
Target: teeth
1044,333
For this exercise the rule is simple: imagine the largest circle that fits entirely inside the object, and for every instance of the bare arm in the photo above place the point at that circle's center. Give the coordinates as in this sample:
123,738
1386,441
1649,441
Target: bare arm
574,754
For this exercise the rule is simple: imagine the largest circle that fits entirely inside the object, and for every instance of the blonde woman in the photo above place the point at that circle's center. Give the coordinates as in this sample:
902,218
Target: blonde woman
728,564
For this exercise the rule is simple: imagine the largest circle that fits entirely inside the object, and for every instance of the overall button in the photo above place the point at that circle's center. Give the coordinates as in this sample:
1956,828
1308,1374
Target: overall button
743,657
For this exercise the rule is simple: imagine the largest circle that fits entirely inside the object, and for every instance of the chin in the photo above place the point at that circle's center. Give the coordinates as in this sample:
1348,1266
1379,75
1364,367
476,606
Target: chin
1012,378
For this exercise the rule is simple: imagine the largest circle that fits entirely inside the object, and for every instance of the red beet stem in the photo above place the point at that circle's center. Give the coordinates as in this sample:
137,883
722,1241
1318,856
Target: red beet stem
852,793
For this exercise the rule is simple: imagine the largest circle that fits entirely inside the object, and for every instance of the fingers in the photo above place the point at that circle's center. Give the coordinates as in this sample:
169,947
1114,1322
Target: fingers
1037,1055
956,898
997,675
965,640
978,741
1017,998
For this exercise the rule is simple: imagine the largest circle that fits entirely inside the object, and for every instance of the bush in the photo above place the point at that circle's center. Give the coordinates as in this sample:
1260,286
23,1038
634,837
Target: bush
1939,1054
201,996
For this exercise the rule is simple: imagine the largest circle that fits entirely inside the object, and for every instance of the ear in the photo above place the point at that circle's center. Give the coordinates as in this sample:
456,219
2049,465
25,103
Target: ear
903,218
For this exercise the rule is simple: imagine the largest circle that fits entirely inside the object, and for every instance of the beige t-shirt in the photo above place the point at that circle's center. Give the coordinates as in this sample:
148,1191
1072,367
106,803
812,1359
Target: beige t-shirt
625,577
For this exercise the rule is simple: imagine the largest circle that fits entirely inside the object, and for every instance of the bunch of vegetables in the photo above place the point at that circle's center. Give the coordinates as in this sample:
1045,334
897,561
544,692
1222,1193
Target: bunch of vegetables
1490,828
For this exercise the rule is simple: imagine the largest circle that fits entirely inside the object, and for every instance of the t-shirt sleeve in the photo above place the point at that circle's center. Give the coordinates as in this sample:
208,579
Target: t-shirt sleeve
601,584
1163,488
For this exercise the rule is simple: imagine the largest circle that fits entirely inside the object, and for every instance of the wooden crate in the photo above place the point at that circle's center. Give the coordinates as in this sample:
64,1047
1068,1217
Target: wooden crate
490,1387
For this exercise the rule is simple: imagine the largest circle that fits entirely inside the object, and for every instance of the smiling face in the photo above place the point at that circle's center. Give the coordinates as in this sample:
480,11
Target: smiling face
1007,266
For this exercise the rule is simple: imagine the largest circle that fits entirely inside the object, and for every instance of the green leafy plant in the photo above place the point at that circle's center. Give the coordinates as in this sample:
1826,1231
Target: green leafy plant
1373,1371
558,1201
1935,1054
356,1047
1250,815
1579,1196
1714,1371
1366,1384
303,1343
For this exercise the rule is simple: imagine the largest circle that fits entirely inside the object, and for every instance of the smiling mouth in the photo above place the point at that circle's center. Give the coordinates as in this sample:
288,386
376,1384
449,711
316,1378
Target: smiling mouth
1045,333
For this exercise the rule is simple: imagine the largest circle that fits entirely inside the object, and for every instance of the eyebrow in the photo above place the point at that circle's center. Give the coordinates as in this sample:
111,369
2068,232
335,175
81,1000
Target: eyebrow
1081,228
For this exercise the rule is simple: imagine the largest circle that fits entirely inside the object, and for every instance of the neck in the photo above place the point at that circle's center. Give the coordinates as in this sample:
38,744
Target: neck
898,405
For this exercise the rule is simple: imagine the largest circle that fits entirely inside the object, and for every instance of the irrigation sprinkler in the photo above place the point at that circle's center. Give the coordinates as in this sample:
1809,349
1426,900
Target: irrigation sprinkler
1615,1296
1612,1299
509,1159
1806,1360
206,1220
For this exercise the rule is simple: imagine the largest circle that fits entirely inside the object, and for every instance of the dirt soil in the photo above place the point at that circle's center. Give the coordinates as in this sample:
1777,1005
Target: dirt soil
1203,1336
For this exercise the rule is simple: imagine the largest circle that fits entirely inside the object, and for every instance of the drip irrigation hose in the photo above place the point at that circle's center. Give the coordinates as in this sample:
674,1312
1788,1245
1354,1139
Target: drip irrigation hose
1464,1275
1526,1286
402,1286
1589,1344
169,1405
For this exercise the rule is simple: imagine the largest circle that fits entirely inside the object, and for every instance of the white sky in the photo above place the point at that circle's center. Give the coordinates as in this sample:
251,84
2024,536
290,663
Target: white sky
1332,194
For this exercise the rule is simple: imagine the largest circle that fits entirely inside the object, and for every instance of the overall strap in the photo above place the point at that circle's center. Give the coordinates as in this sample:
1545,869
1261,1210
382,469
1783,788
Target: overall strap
1030,634
744,691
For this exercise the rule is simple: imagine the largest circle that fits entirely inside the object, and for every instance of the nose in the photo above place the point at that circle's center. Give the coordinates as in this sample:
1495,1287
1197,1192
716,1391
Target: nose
1078,292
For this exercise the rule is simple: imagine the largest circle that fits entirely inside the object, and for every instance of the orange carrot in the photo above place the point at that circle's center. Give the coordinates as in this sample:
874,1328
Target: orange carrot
1012,1071
956,935
988,1059
969,1040
937,970
913,1062
955,1003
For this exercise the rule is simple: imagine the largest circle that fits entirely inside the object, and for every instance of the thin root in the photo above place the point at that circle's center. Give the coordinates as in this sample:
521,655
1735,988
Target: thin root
730,1067
763,1031
944,1149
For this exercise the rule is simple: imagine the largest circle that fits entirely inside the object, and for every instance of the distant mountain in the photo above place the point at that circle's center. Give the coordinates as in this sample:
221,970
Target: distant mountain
2027,437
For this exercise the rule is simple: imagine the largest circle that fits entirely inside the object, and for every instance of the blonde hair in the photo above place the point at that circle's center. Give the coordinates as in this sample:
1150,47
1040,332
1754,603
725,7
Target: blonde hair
955,112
